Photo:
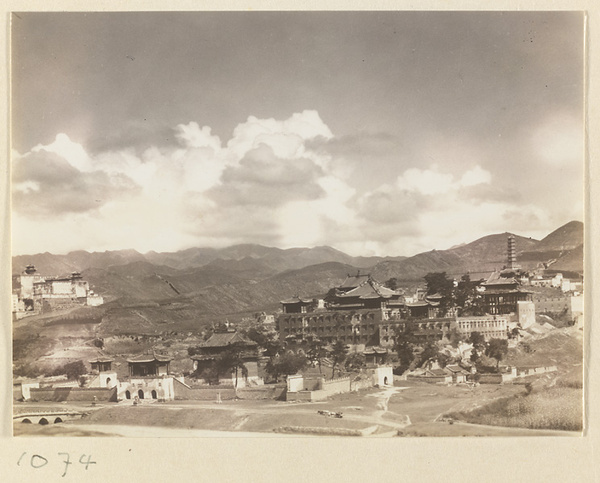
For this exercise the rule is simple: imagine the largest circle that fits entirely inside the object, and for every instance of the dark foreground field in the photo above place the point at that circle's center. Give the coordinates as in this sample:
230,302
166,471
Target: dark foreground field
408,410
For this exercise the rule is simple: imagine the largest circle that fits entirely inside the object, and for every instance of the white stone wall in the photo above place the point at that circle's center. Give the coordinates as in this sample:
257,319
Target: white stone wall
526,313
104,379
576,305
25,389
163,386
94,300
383,376
295,383
81,289
62,287
491,326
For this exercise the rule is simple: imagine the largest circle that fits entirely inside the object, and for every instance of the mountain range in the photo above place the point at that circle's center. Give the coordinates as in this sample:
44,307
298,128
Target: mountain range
206,282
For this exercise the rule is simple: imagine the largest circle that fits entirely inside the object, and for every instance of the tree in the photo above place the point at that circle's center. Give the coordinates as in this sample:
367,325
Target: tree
210,374
404,345
497,348
73,370
266,340
285,364
273,347
468,299
478,341
338,354
443,359
454,337
439,283
232,360
430,351
257,336
514,333
392,283
316,352
355,361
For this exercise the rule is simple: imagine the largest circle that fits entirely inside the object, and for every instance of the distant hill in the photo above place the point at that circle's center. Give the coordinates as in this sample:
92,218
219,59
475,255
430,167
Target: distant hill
77,261
249,276
162,295
272,259
572,260
567,237
483,255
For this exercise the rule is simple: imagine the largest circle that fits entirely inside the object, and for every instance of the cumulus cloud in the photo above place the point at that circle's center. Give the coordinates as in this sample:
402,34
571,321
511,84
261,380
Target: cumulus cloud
70,151
282,183
286,138
193,136
165,196
262,178
427,208
46,183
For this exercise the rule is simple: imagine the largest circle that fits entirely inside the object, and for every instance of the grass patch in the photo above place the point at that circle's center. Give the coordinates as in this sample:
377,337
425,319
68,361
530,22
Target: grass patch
557,408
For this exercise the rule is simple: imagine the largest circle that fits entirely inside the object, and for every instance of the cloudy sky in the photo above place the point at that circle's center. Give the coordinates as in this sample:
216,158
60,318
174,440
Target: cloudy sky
385,133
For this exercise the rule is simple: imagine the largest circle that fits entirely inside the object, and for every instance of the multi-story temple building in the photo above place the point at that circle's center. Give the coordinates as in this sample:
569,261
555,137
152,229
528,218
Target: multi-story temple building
36,293
217,345
366,315
502,294
360,312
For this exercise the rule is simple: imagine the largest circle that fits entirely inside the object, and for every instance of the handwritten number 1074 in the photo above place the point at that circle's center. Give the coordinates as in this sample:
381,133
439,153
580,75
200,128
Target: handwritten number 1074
38,461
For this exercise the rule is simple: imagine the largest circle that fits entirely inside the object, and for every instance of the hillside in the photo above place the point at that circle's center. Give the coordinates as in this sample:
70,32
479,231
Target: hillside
163,300
49,264
483,255
249,277
567,237
572,260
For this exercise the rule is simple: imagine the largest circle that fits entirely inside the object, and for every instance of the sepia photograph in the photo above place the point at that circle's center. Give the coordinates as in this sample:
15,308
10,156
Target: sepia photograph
298,224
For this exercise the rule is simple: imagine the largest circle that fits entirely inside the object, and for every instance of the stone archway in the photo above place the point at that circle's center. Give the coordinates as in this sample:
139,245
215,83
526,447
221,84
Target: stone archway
141,394
43,421
127,394
154,396
58,420
27,421
385,381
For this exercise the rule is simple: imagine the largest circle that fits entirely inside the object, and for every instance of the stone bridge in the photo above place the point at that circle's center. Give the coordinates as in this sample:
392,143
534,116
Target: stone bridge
47,417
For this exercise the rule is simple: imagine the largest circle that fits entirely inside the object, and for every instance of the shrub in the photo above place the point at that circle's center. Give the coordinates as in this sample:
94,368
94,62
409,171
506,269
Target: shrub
73,370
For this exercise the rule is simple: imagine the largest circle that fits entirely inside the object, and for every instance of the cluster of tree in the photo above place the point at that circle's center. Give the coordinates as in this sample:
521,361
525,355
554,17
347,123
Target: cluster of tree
229,362
413,353
73,370
462,296
287,362
391,283
496,349
284,361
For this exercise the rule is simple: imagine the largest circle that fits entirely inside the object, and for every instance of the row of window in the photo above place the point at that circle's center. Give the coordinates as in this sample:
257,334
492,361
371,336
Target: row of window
329,319
350,329
469,324
495,334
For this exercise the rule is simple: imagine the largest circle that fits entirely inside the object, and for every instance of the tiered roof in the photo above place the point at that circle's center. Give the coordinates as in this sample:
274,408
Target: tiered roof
296,300
371,350
101,358
353,281
370,289
150,358
497,283
223,339
220,341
